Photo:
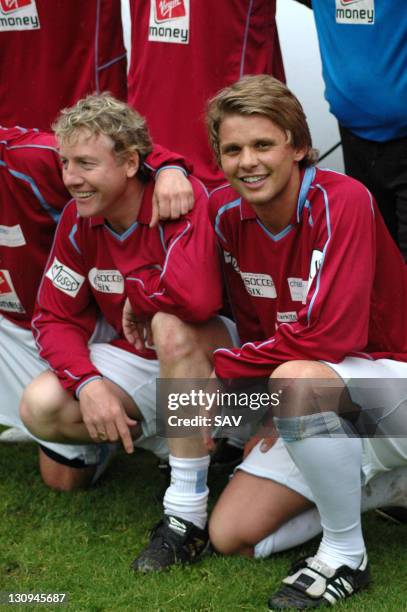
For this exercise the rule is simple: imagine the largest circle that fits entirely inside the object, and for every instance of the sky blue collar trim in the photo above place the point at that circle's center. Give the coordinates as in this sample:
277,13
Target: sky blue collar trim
307,179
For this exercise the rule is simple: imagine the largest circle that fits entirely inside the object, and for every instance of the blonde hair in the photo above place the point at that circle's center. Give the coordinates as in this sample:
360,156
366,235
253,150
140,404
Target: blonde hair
103,114
267,96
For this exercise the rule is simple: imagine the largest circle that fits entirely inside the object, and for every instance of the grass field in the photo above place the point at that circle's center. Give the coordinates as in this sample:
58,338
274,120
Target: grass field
82,544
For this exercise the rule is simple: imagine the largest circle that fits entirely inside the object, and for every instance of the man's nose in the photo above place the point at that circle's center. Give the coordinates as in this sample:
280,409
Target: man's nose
248,157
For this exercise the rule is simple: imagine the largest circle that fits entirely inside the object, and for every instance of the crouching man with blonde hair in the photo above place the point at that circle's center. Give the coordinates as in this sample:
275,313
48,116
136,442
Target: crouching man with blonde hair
104,254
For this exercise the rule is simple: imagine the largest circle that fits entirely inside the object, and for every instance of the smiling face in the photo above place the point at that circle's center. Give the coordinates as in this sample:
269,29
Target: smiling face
100,182
260,164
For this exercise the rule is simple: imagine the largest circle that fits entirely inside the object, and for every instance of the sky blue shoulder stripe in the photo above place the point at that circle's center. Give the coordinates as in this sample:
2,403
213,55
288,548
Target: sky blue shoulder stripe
307,179
32,146
72,238
222,210
54,214
329,231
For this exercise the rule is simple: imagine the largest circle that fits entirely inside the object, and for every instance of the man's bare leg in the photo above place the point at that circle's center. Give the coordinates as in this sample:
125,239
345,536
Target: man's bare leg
185,352
249,510
51,414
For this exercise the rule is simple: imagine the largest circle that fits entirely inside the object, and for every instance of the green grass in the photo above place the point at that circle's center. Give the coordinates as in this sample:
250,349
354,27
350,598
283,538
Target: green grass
83,543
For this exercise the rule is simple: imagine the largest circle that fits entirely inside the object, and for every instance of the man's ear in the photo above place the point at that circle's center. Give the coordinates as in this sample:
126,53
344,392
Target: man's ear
133,164
299,154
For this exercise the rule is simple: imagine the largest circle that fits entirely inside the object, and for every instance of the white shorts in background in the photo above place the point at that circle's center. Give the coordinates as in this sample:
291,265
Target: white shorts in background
19,364
380,454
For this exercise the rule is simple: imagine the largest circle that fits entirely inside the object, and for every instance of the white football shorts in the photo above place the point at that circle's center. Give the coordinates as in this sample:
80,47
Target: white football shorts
19,364
380,454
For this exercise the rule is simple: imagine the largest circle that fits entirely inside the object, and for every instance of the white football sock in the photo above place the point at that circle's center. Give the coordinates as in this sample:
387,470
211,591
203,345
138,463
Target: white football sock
294,532
331,466
187,495
386,489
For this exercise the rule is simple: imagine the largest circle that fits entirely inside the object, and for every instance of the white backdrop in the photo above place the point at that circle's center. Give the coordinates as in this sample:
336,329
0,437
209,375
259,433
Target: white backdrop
303,70
302,64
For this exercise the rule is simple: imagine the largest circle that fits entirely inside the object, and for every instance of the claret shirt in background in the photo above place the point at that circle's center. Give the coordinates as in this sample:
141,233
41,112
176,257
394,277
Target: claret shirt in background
184,52
54,52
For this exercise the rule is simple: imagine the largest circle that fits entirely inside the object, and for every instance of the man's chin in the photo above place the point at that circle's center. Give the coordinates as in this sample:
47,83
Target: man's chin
84,211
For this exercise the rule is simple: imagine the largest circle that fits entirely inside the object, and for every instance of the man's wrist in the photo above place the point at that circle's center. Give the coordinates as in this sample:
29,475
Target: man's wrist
180,168
84,382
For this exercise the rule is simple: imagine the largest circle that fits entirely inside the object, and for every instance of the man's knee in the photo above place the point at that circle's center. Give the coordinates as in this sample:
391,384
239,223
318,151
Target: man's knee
224,536
307,387
174,340
41,403
62,477
303,369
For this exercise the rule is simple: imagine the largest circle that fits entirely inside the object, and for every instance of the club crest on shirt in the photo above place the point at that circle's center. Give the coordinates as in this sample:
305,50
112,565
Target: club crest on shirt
18,15
361,12
64,278
106,281
169,21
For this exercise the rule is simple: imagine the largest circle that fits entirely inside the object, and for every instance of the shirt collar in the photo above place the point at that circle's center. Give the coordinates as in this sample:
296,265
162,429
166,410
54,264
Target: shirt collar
306,177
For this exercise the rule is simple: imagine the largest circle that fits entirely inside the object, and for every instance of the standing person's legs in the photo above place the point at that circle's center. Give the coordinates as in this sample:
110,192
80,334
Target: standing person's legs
382,167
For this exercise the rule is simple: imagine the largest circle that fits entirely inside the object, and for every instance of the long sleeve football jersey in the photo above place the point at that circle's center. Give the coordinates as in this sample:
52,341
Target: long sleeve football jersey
91,270
331,284
32,196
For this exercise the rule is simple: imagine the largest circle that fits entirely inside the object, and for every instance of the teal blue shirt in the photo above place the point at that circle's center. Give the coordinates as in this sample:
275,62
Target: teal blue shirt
363,47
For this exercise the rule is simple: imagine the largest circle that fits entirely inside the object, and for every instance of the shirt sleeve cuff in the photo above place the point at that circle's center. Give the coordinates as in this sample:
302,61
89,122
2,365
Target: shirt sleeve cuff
157,172
84,382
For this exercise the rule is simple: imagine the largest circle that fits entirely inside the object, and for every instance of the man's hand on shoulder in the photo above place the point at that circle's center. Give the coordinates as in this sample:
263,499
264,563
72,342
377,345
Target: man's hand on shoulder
104,415
173,195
